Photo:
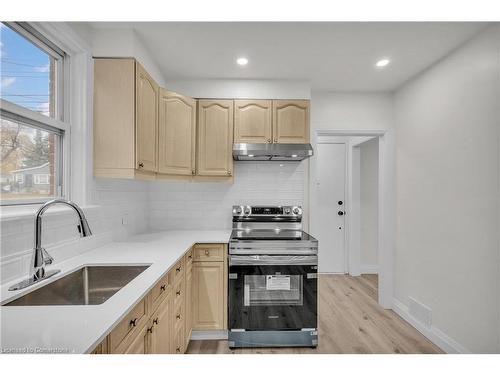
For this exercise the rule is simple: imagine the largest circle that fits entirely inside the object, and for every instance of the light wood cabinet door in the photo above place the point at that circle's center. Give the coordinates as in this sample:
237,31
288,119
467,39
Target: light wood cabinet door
161,332
252,121
146,120
176,133
140,344
215,138
208,295
291,121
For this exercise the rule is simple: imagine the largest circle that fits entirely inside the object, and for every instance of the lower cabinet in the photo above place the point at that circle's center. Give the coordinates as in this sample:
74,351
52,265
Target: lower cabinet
192,296
160,328
209,287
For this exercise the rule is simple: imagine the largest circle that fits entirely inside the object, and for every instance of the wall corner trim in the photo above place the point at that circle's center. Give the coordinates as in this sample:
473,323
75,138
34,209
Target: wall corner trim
435,335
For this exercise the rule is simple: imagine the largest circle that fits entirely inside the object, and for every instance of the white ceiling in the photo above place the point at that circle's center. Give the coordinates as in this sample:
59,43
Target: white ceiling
332,56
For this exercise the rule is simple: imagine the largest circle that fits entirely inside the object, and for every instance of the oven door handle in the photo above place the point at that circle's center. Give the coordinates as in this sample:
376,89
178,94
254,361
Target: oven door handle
251,260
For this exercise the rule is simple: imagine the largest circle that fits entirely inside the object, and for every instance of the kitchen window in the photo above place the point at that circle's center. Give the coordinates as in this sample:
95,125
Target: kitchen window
32,116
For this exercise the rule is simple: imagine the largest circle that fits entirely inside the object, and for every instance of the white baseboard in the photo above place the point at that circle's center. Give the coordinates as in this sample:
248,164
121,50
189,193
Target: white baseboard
209,335
435,335
369,268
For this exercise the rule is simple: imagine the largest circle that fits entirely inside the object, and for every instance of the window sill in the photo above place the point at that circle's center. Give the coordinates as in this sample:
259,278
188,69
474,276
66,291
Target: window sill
8,213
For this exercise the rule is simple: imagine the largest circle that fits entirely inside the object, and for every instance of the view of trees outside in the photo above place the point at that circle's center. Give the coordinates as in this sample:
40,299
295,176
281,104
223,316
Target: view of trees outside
27,154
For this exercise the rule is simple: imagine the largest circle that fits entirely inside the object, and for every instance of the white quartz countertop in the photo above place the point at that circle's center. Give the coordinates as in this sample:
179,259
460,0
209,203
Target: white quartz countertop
79,329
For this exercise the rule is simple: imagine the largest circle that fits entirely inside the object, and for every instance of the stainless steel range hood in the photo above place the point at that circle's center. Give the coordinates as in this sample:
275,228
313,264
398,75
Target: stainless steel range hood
271,151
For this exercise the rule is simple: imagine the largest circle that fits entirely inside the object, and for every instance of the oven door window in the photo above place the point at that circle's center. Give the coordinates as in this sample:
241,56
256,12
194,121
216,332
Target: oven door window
272,297
273,290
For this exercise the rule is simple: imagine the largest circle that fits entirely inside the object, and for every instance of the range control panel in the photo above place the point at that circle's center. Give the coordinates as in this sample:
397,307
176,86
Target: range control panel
272,211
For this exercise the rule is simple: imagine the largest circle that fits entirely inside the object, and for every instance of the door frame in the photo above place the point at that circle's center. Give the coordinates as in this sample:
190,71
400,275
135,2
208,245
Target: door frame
385,204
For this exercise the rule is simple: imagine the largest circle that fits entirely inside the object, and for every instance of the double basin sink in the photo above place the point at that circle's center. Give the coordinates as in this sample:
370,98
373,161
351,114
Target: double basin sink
89,285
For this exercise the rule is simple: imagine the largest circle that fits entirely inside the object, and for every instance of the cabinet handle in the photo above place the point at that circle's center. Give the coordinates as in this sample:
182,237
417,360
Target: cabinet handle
178,350
178,317
141,165
178,269
269,140
193,172
229,173
133,322
162,288
275,140
178,293
156,321
150,329
207,253
190,257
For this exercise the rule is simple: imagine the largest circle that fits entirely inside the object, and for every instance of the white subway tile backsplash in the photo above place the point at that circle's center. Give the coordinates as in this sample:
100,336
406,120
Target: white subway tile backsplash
175,205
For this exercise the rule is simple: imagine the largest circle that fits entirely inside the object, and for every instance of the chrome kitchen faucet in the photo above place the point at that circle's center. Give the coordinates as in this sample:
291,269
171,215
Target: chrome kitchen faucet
40,256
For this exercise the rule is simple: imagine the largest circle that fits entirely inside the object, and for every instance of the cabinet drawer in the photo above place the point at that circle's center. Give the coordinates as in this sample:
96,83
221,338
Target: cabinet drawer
177,272
160,290
209,253
129,326
178,293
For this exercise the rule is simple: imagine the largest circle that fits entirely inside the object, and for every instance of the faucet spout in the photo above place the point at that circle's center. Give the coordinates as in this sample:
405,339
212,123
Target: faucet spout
40,256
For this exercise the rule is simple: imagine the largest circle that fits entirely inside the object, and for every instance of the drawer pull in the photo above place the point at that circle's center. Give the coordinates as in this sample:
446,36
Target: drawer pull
150,329
190,256
163,287
156,321
178,317
141,165
178,293
133,322
207,253
178,269
178,349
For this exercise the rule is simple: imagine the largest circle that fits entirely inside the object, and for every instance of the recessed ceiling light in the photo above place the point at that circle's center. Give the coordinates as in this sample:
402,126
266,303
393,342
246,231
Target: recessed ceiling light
242,61
382,63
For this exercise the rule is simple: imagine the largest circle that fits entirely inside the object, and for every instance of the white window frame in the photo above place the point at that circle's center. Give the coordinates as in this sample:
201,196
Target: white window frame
38,177
19,178
12,111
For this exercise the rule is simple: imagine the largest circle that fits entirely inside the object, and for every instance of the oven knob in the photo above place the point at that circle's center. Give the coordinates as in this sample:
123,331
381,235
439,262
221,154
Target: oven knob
287,211
247,211
237,210
296,210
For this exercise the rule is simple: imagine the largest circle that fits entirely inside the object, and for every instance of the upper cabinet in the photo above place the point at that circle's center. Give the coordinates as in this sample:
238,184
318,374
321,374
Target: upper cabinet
215,138
291,121
252,121
176,134
125,119
146,101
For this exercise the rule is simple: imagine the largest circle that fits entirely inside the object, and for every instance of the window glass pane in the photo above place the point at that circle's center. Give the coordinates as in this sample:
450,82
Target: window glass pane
28,162
28,73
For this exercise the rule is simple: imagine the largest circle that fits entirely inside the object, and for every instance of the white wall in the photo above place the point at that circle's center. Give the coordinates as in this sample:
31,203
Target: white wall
447,173
184,205
111,42
351,111
242,88
369,206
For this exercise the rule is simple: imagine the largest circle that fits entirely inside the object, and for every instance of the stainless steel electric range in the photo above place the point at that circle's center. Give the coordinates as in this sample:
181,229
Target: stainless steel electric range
273,267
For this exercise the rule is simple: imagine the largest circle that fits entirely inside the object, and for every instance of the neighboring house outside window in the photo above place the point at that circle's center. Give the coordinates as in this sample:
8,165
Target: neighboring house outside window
41,179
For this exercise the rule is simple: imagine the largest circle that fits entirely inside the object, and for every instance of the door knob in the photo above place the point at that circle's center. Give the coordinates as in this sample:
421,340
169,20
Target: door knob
341,213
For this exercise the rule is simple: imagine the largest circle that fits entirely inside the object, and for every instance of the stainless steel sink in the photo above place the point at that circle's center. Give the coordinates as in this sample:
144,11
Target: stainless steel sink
89,285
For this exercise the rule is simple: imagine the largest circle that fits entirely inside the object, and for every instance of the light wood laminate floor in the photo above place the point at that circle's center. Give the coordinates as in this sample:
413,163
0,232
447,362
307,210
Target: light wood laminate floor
350,321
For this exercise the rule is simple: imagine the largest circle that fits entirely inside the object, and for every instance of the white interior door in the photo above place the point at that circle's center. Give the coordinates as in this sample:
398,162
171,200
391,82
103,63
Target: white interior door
328,200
